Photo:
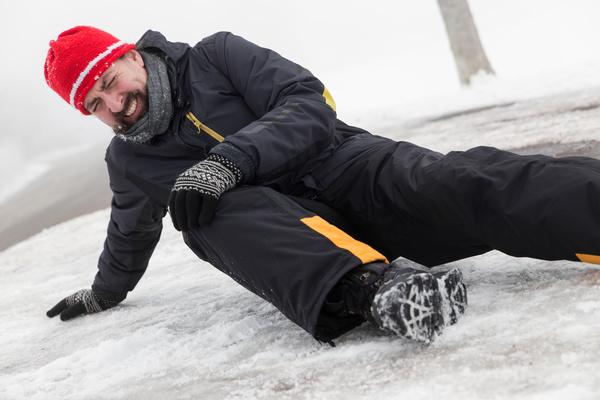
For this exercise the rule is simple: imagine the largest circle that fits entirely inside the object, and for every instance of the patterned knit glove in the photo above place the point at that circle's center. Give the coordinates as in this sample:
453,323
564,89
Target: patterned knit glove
84,301
195,194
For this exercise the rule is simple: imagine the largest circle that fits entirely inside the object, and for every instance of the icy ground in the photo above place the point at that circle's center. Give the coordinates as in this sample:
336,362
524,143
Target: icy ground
532,330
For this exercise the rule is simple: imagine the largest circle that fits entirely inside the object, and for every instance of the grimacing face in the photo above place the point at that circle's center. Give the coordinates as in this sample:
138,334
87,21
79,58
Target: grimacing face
119,98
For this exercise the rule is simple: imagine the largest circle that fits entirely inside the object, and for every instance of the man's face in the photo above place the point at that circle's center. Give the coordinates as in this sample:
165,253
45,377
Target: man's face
120,97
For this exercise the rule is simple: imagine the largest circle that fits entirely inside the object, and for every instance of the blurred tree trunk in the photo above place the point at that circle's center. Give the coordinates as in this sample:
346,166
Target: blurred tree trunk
469,55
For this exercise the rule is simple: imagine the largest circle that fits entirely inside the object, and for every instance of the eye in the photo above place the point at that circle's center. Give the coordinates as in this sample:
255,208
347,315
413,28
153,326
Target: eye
94,106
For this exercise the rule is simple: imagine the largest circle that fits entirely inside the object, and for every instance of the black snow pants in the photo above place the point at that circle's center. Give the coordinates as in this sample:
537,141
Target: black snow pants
397,199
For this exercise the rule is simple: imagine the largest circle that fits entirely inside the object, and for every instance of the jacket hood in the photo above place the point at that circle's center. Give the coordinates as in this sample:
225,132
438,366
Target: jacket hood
175,53
155,40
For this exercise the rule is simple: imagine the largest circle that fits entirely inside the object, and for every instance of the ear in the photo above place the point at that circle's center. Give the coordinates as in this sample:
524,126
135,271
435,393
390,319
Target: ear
135,56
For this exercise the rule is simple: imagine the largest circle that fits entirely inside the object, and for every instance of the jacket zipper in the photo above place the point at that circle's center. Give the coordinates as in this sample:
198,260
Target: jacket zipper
203,128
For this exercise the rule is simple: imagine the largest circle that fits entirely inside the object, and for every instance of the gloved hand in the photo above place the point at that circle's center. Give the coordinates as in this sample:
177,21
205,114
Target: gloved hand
84,301
195,194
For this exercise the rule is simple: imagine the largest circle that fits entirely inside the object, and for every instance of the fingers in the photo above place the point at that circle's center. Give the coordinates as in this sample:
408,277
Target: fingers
208,210
73,311
57,309
190,209
66,312
172,200
177,207
194,202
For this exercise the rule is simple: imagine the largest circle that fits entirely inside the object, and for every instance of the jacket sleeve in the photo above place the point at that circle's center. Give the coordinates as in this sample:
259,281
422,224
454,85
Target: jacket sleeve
133,231
296,114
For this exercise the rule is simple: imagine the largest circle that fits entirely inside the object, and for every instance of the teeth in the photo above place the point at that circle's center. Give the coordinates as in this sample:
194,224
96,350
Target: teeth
131,108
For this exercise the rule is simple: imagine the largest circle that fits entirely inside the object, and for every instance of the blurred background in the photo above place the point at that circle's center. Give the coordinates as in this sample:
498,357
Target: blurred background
383,61
532,329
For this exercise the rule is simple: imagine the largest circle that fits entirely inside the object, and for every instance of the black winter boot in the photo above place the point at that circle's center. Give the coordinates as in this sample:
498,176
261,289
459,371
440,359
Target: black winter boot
401,298
451,286
354,293
409,304
454,294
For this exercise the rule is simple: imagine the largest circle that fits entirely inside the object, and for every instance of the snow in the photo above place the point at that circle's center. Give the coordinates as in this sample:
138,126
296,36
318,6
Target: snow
568,117
532,330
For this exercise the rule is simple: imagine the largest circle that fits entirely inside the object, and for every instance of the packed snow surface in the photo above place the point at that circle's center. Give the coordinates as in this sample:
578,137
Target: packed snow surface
532,331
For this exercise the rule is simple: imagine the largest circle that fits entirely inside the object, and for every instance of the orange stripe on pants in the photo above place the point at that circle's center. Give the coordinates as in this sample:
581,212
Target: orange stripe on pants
588,258
341,239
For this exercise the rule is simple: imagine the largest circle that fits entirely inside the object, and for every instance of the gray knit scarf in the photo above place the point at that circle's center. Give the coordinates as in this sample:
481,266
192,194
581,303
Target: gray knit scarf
160,108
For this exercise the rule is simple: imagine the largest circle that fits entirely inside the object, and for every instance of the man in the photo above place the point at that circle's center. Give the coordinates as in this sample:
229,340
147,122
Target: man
244,149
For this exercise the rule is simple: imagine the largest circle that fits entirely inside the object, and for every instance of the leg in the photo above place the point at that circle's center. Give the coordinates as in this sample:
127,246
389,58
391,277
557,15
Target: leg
404,298
432,208
279,251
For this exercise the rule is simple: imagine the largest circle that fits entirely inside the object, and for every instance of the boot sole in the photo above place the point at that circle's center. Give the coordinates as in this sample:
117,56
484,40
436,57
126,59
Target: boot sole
454,295
411,308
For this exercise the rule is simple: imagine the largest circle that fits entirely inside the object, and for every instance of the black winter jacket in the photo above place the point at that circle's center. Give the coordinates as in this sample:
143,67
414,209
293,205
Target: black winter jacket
270,116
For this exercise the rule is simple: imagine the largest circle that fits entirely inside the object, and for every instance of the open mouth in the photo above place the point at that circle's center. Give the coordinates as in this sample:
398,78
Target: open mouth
135,107
131,108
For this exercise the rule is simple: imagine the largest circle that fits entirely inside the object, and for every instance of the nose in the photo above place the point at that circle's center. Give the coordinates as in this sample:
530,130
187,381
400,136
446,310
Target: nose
114,101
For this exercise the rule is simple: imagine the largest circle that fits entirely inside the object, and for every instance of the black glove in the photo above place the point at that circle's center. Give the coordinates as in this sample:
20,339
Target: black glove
84,301
195,194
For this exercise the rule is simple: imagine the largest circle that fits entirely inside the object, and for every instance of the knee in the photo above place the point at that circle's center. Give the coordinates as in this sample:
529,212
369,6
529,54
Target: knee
246,194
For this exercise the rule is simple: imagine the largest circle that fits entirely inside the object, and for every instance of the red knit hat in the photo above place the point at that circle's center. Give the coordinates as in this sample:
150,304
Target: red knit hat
78,58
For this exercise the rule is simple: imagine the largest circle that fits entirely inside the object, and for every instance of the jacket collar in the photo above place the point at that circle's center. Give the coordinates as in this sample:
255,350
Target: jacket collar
174,54
153,39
